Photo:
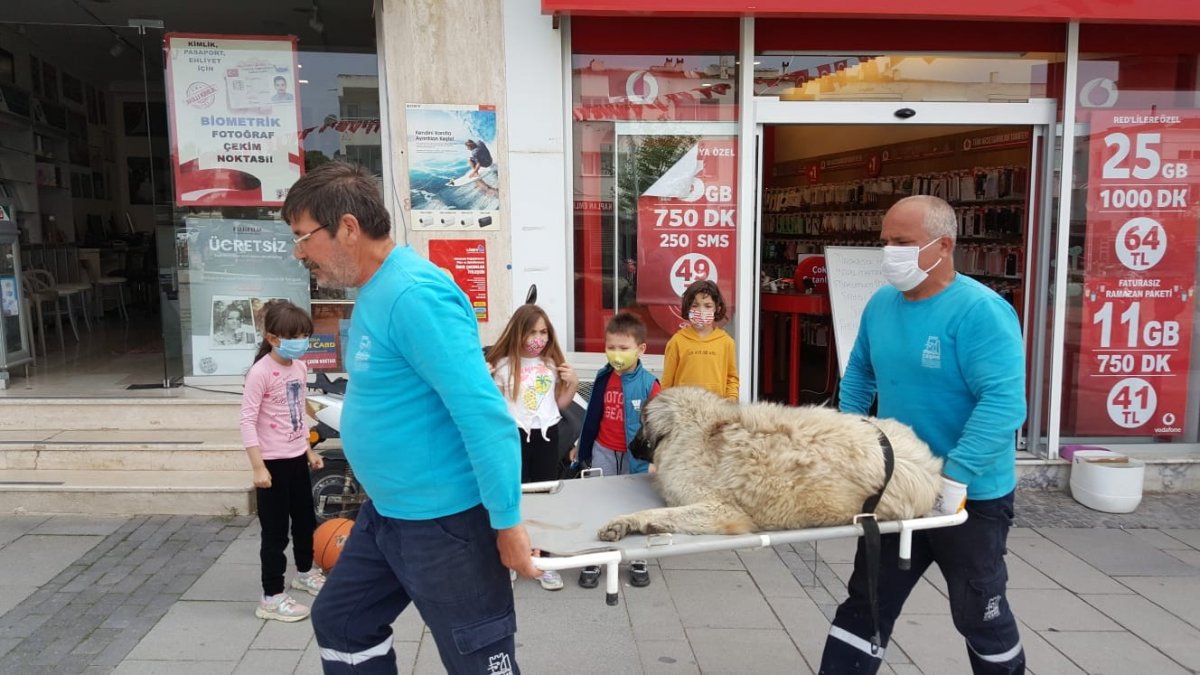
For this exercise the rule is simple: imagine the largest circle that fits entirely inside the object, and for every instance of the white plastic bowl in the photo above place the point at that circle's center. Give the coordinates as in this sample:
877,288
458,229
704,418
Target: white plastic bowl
1112,487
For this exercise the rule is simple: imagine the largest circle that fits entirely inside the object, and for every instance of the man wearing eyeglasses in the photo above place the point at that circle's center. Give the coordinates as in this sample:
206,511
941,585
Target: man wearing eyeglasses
426,432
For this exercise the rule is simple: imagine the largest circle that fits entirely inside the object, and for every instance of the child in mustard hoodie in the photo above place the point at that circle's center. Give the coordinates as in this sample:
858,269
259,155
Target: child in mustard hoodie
702,354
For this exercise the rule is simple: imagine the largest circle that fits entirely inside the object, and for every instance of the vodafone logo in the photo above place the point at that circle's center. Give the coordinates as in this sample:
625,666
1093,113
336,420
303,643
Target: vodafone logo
697,191
1098,93
641,87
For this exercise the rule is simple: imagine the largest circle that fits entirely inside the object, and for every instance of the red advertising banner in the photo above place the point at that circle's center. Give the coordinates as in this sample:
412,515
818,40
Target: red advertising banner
686,225
1140,274
466,261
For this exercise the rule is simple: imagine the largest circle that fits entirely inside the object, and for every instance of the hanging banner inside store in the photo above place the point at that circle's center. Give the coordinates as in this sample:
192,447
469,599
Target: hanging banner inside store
235,119
453,174
231,269
466,261
332,123
1139,274
687,222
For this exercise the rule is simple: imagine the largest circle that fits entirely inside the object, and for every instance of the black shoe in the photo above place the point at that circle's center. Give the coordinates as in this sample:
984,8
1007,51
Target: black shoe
639,576
589,577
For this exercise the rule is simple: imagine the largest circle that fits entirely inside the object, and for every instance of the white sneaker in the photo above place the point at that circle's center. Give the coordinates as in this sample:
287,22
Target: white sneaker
282,608
312,581
551,580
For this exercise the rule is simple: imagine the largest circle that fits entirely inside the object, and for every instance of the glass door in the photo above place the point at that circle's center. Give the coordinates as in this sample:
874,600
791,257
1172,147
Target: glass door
828,182
78,141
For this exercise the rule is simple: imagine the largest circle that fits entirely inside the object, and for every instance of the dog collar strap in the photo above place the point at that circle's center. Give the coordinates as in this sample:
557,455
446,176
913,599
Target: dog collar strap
889,465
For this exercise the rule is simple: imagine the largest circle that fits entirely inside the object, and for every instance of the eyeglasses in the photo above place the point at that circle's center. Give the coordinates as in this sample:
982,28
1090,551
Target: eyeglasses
298,241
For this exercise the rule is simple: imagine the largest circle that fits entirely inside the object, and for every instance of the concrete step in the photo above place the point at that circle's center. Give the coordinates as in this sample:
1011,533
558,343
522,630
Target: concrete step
121,413
126,492
1165,472
113,450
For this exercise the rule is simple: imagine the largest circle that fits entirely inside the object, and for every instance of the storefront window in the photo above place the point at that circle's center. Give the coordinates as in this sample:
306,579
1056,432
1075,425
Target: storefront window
1130,373
883,60
333,104
146,165
902,77
641,225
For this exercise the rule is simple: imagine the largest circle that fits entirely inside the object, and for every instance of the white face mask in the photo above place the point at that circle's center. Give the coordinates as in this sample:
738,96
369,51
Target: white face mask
900,266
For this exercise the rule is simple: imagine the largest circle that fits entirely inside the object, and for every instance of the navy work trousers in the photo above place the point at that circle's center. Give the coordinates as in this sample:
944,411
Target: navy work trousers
448,567
971,558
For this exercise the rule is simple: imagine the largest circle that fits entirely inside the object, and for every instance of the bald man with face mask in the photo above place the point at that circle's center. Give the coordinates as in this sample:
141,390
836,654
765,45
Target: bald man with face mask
943,354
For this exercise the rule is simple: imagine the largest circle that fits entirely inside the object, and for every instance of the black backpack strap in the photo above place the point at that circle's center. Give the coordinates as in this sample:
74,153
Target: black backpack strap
871,539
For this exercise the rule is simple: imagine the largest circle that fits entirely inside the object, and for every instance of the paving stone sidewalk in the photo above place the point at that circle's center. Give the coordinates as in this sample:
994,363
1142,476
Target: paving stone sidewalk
1095,593
78,592
1053,508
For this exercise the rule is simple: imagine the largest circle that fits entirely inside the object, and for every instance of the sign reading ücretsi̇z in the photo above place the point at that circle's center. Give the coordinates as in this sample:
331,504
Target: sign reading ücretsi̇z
687,222
1139,278
234,119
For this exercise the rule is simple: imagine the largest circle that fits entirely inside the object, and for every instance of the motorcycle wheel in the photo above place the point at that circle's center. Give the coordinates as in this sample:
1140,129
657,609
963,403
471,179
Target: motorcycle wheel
332,480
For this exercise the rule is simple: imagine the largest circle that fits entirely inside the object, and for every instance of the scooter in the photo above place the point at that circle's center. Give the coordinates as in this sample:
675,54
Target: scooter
336,491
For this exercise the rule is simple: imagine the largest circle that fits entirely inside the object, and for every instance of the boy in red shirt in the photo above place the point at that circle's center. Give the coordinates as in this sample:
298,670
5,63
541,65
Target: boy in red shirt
614,415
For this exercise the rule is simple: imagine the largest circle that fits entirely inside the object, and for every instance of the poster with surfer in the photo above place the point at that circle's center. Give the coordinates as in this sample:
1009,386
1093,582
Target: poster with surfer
454,173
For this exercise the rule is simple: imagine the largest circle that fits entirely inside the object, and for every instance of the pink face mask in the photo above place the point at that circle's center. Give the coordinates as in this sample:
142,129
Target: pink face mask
701,318
535,345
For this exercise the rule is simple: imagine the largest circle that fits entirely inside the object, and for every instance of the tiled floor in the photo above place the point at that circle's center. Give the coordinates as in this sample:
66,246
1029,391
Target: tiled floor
105,362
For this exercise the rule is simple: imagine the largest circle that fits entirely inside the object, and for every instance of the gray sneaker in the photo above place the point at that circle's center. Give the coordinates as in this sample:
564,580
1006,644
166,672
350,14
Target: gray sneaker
639,575
589,577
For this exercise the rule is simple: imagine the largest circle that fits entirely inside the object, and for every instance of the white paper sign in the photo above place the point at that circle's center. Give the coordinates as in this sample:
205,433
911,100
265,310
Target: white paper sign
854,276
234,119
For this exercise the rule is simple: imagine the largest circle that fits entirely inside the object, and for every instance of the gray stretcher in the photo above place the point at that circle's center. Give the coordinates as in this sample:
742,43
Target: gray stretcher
562,518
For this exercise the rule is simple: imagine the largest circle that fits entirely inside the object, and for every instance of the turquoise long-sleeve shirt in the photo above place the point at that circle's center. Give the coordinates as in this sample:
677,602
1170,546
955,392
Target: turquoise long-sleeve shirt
952,367
424,425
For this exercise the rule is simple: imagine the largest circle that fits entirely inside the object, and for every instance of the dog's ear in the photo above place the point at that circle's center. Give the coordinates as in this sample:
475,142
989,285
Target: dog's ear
659,415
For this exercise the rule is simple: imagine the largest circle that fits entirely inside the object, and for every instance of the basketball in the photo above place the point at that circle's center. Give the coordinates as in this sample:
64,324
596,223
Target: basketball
329,540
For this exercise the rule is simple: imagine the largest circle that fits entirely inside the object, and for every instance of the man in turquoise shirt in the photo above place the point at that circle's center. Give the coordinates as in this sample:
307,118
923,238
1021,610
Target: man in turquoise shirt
429,437
944,354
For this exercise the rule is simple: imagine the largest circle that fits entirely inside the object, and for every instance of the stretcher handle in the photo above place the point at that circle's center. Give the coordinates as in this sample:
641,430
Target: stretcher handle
609,559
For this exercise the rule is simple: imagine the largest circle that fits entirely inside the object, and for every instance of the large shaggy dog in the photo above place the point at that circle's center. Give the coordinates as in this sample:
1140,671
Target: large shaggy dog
729,468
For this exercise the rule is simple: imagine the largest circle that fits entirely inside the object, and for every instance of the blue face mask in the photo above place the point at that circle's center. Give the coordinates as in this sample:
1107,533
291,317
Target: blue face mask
292,348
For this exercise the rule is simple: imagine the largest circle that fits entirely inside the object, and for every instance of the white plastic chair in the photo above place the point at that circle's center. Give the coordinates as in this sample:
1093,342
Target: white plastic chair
42,284
36,293
100,282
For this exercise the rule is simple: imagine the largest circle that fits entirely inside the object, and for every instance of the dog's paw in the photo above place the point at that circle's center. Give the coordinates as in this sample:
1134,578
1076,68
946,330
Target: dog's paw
613,530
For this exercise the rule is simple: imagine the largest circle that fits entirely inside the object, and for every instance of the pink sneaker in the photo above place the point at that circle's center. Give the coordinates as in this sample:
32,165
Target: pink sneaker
312,581
282,608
